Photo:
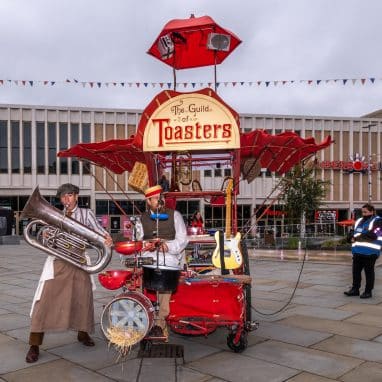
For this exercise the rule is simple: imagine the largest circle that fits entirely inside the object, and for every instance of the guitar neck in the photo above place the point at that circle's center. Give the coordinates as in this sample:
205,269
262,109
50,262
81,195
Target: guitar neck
228,209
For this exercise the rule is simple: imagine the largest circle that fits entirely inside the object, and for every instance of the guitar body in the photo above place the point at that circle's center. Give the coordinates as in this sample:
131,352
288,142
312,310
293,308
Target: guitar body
232,255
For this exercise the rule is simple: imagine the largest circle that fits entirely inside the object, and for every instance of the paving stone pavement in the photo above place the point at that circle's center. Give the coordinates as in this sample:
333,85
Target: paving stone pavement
320,336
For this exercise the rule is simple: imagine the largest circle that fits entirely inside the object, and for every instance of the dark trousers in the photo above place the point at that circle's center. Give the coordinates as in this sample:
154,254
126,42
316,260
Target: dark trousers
366,262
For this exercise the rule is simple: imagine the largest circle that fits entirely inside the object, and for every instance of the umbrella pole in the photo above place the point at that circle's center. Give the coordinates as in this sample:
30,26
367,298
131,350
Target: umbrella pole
174,75
215,79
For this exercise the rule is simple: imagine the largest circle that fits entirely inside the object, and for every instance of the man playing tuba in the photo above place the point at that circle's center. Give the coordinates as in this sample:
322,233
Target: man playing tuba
64,296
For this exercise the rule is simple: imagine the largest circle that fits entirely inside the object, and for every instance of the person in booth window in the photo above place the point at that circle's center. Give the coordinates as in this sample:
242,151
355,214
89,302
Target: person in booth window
172,234
366,247
197,220
64,296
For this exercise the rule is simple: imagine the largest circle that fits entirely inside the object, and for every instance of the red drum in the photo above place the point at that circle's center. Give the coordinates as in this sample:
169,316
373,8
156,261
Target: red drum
128,247
114,279
131,311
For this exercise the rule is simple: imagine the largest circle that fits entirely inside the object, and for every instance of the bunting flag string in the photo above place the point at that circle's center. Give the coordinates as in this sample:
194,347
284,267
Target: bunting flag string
169,85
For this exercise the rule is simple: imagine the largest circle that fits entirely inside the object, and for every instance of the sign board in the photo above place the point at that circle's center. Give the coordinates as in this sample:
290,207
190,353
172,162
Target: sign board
191,121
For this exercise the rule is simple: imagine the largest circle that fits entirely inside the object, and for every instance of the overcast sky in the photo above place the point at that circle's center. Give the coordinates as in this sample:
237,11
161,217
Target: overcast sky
94,40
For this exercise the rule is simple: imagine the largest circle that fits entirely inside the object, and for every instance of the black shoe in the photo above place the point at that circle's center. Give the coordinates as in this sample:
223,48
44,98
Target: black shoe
352,292
156,331
85,339
366,295
32,355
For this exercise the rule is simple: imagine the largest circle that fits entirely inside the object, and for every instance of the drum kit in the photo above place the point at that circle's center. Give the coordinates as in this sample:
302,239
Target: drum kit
132,314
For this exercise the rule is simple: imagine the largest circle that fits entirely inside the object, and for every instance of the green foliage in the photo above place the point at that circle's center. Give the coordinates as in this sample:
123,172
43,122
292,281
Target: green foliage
303,193
293,242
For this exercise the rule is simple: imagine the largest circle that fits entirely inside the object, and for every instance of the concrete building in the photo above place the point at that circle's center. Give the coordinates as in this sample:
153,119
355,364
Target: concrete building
30,137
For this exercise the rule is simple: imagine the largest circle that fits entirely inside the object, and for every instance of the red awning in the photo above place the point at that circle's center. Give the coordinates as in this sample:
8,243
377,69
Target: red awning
184,43
346,223
117,155
279,152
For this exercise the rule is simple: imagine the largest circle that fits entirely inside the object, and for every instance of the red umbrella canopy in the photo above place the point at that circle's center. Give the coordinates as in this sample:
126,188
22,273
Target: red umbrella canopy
279,152
193,42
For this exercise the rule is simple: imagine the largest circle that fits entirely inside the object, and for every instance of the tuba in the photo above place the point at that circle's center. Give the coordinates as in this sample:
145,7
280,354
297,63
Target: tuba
62,236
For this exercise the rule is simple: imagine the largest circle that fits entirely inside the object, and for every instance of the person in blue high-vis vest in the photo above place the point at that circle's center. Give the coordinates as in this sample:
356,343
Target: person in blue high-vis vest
366,247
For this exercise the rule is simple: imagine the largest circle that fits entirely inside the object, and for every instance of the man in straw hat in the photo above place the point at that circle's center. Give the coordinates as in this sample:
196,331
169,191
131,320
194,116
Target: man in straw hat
172,233
64,295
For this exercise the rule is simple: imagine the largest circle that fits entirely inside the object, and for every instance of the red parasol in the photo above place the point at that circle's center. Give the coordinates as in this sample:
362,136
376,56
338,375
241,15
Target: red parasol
279,152
193,42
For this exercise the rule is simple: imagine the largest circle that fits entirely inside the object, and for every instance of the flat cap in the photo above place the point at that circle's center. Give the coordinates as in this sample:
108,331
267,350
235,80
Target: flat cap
67,188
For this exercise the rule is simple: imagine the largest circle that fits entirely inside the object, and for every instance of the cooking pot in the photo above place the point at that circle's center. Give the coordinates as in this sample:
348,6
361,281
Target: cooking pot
128,247
161,278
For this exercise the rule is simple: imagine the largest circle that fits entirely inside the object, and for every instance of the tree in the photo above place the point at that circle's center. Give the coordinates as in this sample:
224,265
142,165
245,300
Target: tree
303,194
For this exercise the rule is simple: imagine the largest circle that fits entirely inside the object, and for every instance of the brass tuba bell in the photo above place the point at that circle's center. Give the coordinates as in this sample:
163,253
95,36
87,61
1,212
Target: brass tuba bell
62,236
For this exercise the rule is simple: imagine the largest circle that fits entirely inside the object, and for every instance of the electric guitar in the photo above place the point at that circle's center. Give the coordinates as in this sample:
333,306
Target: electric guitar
232,255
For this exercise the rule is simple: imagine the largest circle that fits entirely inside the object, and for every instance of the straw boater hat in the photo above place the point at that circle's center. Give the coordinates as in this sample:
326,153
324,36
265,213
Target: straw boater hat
153,191
67,188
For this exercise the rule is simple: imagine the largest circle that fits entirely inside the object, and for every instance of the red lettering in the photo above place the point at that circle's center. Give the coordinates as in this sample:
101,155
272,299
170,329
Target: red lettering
198,136
206,133
178,132
168,133
216,128
160,121
226,130
188,132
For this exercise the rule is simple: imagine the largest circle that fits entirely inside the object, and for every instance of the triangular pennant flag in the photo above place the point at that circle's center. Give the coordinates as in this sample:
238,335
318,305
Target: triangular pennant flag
326,81
335,80
193,84
76,81
372,80
225,83
318,82
354,80
185,84
145,84
267,83
46,82
153,84
344,81
233,84
209,84
242,83
161,84
201,84
10,81
114,84
107,84
292,82
91,84
23,82
138,84
275,83
217,84
122,84
16,82
363,80
31,83
310,82
284,82
2,82
83,84
52,83
67,80
169,85
258,83
99,84
130,84
250,83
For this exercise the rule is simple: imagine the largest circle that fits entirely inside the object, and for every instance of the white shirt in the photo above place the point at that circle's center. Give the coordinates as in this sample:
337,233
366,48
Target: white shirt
175,255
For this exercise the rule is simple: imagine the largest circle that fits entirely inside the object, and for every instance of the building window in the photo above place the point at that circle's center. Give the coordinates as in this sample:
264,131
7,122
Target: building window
52,147
74,139
207,173
3,147
86,139
27,138
187,208
15,146
40,147
63,146
218,172
227,172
